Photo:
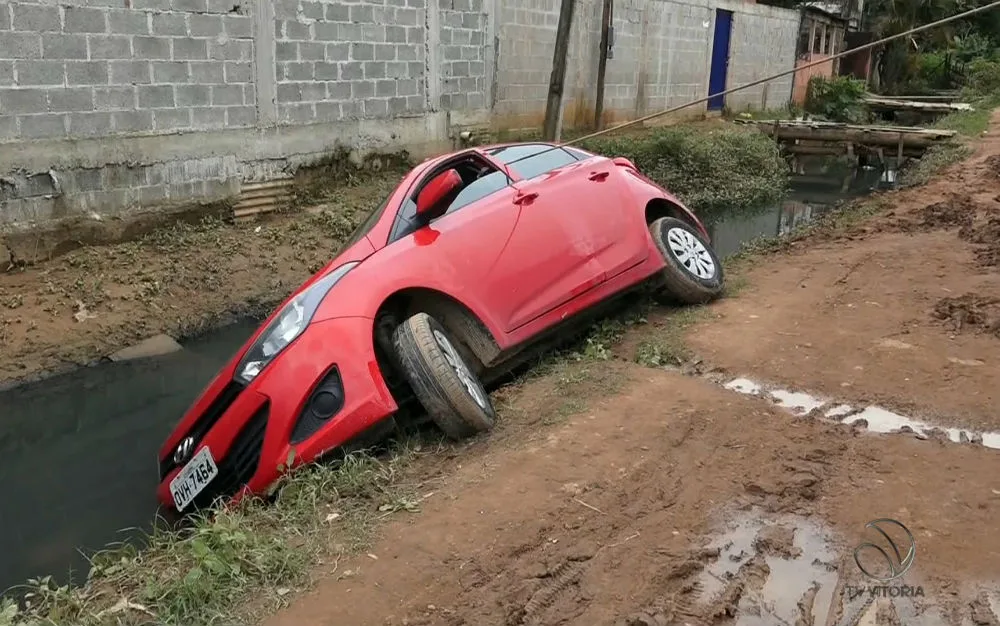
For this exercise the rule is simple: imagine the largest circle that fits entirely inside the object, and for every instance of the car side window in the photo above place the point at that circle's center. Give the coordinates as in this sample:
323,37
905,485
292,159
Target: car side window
475,187
479,189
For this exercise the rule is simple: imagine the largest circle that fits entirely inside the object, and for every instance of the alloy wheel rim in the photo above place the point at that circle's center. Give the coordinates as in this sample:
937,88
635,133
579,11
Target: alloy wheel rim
458,366
691,253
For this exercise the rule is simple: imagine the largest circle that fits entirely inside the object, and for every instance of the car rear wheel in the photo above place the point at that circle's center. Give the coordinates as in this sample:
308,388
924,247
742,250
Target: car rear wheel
693,272
450,392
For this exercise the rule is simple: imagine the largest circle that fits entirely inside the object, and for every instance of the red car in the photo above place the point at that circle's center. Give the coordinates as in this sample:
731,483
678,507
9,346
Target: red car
476,257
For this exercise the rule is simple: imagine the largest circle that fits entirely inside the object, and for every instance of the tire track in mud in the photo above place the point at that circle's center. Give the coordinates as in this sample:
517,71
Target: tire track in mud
551,587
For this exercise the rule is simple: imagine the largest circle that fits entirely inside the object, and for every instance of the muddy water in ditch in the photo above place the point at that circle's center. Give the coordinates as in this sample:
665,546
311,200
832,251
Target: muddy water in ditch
78,454
809,197
78,451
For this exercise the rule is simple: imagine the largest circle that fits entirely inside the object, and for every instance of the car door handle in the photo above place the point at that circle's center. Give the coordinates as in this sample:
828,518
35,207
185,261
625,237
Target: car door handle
598,176
525,198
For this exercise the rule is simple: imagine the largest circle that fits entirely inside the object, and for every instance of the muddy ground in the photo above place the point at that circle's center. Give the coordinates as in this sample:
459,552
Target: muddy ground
618,494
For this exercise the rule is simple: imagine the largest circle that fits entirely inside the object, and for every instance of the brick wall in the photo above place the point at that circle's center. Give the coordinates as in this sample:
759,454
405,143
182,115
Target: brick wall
114,106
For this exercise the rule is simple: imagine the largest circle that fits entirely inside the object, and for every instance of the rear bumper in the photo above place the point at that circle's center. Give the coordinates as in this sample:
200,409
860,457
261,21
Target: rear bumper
253,425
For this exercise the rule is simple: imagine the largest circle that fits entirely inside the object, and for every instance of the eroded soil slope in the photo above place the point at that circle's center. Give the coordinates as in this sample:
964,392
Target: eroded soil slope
97,300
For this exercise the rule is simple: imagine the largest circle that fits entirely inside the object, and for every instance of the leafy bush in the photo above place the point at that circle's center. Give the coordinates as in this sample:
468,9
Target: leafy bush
840,98
982,79
710,170
982,91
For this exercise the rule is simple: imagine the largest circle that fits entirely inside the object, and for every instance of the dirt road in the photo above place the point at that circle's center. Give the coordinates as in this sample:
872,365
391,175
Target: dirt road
614,493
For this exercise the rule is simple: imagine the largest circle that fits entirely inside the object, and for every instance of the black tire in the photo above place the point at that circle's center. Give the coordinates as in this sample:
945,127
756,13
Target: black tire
436,383
681,284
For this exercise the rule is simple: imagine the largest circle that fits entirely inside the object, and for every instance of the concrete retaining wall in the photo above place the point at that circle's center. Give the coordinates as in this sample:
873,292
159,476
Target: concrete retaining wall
111,107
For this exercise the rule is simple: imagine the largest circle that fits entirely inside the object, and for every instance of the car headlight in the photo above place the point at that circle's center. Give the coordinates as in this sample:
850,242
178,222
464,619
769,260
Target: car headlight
288,325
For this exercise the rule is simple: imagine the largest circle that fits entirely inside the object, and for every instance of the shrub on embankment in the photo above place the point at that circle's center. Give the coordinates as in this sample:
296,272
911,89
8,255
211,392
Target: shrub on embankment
712,169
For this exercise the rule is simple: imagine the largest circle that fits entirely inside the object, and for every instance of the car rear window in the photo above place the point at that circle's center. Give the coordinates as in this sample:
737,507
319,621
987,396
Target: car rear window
531,160
580,154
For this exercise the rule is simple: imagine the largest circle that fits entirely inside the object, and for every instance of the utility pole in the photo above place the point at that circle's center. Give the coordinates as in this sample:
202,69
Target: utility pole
602,65
558,78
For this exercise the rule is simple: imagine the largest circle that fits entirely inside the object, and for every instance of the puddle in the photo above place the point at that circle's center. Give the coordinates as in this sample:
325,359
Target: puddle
791,569
872,418
797,557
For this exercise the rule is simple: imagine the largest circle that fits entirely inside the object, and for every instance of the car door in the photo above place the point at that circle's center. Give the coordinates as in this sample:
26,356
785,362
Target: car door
567,225
621,229
494,248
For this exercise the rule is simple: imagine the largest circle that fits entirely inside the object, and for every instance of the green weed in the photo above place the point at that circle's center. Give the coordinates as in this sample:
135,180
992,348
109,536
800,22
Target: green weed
205,573
732,168
933,161
664,344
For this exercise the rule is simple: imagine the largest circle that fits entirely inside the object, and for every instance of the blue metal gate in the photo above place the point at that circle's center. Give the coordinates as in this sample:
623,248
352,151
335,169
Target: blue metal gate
720,58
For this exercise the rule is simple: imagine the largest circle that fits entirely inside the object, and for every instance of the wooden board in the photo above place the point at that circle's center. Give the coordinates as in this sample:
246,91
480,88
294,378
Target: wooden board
892,104
811,130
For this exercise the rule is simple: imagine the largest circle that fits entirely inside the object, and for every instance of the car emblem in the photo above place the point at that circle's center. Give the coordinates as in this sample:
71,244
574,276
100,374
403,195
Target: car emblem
184,449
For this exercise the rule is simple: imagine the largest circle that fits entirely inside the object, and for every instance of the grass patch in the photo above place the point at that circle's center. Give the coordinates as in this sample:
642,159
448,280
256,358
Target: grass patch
727,168
665,346
933,161
206,573
970,123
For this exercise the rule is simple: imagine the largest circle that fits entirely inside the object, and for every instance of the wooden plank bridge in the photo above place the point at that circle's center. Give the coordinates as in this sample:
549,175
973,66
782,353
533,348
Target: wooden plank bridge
810,137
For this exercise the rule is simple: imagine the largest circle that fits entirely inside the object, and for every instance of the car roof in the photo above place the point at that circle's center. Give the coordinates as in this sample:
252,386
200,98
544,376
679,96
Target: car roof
493,149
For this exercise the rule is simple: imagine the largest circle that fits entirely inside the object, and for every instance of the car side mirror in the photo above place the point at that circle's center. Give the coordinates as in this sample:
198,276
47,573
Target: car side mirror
430,197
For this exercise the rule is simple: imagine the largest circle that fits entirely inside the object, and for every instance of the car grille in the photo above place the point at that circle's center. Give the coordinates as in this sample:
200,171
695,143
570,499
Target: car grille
240,462
205,423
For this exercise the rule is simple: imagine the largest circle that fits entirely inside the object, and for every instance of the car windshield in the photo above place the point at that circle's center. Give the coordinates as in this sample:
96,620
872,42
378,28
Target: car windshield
366,225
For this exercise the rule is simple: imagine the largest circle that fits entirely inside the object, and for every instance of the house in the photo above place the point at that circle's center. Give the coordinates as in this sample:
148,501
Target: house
821,35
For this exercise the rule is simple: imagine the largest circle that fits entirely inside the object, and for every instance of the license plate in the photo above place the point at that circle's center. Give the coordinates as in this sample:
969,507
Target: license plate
195,476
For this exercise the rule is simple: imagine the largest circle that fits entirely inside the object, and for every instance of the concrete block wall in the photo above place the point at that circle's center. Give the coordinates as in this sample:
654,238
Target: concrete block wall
110,107
360,60
90,71
661,57
754,57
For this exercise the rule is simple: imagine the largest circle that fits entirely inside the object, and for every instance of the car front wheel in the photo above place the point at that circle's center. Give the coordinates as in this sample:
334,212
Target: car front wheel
693,273
446,386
